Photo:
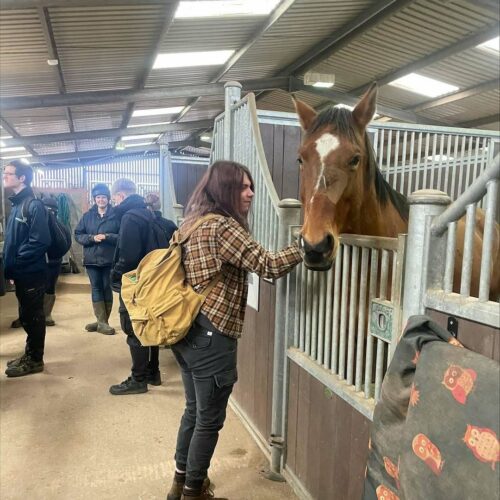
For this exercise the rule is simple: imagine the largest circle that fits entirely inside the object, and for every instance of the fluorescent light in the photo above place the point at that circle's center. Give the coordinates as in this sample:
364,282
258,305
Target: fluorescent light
220,8
21,155
148,124
5,136
139,144
206,138
141,136
13,148
185,59
323,85
158,111
423,85
493,44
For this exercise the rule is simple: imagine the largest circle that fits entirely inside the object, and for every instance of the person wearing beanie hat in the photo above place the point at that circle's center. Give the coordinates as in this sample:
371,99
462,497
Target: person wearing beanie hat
97,232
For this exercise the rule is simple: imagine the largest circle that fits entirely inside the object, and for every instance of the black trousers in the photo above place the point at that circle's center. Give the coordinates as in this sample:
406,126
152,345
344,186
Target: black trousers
145,360
53,272
29,293
208,366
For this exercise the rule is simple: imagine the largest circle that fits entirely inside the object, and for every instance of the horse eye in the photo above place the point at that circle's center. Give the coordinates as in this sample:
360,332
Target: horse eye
354,160
299,160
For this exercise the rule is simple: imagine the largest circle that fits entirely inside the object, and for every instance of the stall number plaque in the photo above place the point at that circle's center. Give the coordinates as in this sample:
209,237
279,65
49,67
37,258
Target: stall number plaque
381,319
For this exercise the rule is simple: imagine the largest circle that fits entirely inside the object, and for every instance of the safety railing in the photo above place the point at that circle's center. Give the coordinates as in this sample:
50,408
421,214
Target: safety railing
435,226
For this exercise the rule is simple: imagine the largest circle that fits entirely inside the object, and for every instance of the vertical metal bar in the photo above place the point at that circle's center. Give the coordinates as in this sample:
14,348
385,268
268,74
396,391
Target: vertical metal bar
489,229
384,271
450,160
460,189
361,318
469,163
453,187
440,167
409,188
419,155
369,339
352,314
314,314
426,160
388,155
450,257
298,307
328,320
379,368
321,316
336,309
434,160
381,148
396,161
470,222
308,312
343,311
303,308
403,164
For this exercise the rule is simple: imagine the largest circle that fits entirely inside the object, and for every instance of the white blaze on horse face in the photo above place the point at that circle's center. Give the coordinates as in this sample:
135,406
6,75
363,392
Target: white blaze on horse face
324,146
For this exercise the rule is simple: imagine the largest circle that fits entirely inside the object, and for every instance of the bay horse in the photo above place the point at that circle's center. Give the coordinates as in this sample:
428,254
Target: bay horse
343,191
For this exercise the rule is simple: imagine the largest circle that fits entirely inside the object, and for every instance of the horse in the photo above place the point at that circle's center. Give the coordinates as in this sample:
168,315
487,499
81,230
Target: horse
343,191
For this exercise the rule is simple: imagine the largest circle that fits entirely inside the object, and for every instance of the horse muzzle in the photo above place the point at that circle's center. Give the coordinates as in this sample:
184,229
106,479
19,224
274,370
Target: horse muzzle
319,256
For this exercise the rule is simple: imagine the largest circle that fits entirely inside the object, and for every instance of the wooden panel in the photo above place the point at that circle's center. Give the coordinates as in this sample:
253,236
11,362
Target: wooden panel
290,164
327,439
477,337
277,172
186,177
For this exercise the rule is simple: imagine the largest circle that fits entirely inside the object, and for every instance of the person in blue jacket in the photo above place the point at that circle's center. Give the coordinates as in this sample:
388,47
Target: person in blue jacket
97,231
27,239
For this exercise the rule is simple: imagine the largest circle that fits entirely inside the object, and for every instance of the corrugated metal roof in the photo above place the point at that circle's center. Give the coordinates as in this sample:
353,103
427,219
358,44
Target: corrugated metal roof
111,48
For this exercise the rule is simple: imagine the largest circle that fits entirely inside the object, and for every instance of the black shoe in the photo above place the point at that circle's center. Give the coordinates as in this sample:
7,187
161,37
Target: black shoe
17,360
129,386
23,366
154,379
16,323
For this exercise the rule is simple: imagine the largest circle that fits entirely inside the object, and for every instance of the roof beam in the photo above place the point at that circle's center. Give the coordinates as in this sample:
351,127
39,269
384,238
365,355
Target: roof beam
465,44
112,132
33,4
479,122
457,96
48,34
133,95
254,38
14,133
350,99
340,38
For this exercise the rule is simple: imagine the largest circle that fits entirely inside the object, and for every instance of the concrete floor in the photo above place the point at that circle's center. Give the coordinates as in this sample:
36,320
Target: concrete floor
63,436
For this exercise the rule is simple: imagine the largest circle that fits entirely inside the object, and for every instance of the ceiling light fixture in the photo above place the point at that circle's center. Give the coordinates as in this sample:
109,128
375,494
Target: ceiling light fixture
491,45
423,85
223,8
158,111
12,157
141,136
137,125
322,80
187,59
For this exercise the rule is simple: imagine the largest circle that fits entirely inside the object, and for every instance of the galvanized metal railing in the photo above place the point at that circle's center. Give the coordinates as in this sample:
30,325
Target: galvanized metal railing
414,157
432,241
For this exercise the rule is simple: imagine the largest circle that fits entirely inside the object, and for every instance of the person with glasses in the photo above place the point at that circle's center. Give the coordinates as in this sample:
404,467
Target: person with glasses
27,239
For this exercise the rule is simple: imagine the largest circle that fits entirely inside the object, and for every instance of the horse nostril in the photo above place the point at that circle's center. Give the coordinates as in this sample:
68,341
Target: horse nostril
330,241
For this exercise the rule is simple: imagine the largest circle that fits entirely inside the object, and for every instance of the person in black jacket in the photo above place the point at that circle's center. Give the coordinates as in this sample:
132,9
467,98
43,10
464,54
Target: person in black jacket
97,231
26,242
132,246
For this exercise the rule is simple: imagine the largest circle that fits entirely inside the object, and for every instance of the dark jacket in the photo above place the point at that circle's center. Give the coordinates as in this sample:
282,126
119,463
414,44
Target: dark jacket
132,238
98,254
26,244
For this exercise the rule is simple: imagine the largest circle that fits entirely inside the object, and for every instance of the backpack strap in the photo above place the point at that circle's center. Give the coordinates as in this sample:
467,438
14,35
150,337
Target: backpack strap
25,208
177,235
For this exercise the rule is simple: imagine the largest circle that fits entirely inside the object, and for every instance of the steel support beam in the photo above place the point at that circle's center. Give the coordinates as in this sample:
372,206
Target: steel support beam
457,96
99,134
479,122
340,38
126,96
33,4
465,44
13,132
351,100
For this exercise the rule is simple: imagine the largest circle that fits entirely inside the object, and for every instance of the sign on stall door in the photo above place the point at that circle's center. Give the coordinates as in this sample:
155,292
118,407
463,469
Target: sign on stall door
253,291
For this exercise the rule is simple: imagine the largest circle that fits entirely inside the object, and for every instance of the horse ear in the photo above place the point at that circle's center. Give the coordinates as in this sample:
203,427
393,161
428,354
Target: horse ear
307,115
366,107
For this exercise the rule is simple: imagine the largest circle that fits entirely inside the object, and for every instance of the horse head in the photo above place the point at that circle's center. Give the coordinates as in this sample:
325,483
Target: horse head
333,161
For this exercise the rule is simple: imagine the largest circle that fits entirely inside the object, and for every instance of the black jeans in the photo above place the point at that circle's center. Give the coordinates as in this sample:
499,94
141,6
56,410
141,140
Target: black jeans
145,360
29,293
208,366
100,283
53,272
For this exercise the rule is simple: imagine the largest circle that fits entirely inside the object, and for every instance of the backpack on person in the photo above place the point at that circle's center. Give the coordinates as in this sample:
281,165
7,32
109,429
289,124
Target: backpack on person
161,304
158,236
60,235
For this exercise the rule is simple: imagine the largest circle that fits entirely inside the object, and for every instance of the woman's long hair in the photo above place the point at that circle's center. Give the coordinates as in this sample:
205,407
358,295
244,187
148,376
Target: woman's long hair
219,192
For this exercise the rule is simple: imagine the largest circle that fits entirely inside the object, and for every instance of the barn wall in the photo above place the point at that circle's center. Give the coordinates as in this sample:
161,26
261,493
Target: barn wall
186,177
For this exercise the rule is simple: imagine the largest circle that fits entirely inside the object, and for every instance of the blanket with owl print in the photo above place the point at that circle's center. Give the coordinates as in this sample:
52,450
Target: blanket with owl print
435,429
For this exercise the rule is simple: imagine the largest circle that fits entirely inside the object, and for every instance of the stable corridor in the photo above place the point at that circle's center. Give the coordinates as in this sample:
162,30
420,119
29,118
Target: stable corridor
63,436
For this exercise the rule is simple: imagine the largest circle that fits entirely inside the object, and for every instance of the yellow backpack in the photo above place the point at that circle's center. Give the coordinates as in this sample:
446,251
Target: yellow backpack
161,305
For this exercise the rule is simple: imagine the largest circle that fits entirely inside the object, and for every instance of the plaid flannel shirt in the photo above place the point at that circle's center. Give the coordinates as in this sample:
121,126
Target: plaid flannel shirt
223,245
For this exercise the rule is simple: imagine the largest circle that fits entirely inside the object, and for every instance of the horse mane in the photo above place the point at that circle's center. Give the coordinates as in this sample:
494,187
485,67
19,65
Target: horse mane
341,117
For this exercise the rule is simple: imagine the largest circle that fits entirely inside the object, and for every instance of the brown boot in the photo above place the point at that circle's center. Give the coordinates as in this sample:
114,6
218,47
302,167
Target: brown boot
175,492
